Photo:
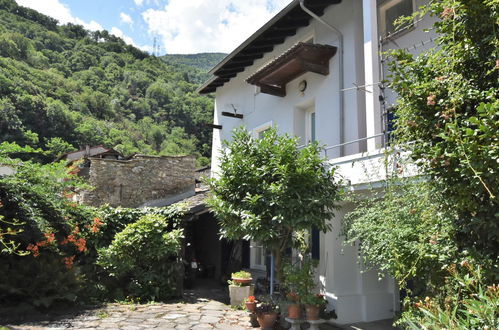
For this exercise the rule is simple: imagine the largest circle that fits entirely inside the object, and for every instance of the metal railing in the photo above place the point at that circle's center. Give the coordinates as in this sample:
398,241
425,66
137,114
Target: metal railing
350,142
326,149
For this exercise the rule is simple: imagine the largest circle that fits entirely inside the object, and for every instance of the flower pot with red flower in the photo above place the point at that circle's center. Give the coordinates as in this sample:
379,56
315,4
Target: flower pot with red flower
294,307
314,305
250,304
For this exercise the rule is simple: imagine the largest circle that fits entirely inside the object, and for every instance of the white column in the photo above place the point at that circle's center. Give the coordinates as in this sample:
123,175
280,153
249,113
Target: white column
372,73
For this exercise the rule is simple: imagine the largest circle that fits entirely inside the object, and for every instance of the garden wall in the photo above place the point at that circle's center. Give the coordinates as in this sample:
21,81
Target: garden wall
140,181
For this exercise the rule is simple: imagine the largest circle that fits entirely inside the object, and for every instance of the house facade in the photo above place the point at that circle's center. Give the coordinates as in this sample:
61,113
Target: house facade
315,71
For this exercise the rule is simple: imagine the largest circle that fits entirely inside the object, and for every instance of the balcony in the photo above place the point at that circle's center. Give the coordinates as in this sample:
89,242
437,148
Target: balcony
296,61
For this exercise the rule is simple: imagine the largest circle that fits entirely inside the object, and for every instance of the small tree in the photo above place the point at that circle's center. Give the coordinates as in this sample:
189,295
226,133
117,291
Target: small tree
267,189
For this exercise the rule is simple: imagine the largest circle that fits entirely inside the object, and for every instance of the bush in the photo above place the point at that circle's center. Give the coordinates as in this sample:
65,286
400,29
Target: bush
467,303
143,259
43,233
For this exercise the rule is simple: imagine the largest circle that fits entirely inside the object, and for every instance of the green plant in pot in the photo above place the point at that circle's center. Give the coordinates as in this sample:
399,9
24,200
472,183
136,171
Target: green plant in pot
241,278
314,305
298,282
267,311
294,307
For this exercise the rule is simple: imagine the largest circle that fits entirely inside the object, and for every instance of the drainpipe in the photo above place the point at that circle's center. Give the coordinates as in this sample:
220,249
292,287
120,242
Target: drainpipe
340,41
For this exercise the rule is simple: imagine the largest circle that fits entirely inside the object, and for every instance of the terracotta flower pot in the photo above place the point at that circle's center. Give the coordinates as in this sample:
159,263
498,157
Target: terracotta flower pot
294,311
312,312
267,320
242,281
251,306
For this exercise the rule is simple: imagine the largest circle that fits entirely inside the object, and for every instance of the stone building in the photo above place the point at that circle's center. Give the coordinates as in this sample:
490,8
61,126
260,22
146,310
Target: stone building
139,181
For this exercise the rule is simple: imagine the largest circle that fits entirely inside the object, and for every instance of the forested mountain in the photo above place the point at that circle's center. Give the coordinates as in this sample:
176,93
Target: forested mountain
63,87
204,62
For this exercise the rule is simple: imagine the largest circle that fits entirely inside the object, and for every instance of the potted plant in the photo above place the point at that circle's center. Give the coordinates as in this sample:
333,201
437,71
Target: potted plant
241,278
294,307
314,304
240,287
266,312
298,281
250,304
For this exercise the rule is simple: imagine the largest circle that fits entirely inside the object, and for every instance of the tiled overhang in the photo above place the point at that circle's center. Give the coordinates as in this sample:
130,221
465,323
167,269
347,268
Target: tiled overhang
299,59
273,33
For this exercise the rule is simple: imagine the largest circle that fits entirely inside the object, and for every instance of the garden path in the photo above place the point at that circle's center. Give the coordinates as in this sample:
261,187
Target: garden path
202,308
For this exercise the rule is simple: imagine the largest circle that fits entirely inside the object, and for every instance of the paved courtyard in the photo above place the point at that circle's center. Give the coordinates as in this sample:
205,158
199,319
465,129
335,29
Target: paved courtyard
203,315
203,308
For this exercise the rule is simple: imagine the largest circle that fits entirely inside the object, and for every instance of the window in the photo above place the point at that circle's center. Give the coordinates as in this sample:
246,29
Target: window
259,132
389,11
310,126
257,256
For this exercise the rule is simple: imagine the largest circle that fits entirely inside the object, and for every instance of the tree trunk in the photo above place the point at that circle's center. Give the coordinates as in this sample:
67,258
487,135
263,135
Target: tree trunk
278,264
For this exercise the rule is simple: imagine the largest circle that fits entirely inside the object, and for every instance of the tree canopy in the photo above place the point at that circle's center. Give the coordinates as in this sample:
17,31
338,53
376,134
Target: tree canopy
268,188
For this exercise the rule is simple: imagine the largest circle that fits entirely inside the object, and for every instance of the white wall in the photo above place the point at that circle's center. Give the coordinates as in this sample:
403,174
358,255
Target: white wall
322,91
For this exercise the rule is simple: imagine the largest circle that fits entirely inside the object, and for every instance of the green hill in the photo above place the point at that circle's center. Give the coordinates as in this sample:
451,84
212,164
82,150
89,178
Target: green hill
202,63
63,87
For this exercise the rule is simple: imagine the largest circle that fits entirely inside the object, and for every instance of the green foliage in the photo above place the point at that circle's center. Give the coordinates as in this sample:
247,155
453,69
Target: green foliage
466,303
448,111
299,278
447,119
114,220
241,274
202,62
267,189
406,230
64,82
143,258
314,300
44,228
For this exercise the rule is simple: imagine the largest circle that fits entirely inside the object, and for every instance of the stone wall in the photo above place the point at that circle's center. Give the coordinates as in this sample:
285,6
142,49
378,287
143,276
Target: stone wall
140,181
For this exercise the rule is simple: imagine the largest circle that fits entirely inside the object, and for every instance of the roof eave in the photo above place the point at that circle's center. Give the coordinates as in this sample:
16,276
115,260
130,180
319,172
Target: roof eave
255,35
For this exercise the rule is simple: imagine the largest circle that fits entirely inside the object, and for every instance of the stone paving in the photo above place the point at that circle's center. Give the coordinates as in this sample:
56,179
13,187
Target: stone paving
200,309
201,315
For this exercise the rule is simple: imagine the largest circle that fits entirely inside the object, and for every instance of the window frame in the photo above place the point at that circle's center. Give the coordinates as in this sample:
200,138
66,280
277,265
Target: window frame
257,130
381,8
309,137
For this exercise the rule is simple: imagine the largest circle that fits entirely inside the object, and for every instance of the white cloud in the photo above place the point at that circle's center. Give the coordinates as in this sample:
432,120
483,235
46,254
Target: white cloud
125,18
59,11
117,32
139,2
195,26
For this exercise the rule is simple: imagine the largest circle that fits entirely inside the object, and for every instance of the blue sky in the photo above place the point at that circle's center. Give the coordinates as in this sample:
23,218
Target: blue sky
179,26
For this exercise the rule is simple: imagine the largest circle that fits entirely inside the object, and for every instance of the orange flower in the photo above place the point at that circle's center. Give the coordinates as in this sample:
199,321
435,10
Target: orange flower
34,250
68,262
81,244
50,237
41,243
447,13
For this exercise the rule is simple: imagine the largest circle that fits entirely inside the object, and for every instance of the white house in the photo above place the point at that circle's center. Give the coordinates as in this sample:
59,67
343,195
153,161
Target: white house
315,71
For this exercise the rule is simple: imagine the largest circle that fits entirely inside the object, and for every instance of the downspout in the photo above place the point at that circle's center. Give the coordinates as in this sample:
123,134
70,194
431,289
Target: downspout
340,41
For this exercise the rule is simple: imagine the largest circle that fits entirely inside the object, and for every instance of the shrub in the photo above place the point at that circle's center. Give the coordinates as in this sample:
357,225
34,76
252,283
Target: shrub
44,233
142,258
467,303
